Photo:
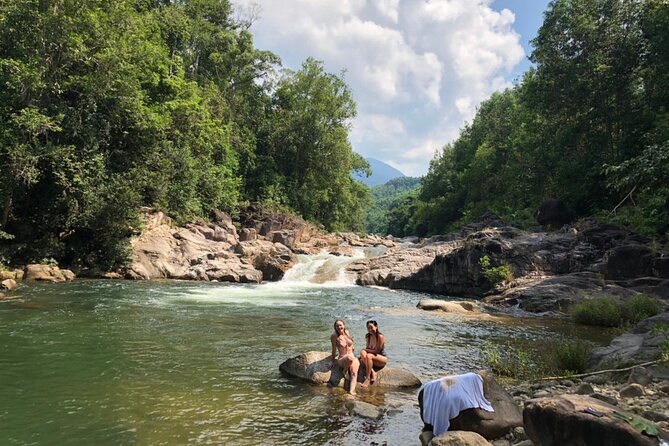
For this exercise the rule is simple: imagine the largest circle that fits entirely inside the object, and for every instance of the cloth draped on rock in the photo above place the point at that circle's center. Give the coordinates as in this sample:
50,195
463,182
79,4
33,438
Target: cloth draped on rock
445,398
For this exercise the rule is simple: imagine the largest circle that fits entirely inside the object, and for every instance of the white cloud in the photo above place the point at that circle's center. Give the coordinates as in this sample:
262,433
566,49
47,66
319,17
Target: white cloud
418,69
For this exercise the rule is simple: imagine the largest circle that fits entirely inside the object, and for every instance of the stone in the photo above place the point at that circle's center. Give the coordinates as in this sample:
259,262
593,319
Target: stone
562,420
631,391
459,438
640,375
8,285
364,410
584,389
247,234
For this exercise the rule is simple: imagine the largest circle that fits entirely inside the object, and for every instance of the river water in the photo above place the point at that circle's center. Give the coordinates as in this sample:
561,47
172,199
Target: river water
176,363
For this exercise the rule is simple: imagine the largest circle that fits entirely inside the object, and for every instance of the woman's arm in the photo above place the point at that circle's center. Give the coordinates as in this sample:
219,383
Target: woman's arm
378,348
333,341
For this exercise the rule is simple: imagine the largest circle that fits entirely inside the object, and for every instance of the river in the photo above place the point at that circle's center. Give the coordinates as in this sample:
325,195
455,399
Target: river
175,363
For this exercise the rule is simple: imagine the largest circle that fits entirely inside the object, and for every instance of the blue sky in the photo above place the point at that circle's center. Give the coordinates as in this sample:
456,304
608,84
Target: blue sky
418,69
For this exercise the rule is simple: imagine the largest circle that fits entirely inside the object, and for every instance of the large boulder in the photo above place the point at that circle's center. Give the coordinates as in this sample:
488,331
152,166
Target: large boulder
577,420
47,273
458,438
315,367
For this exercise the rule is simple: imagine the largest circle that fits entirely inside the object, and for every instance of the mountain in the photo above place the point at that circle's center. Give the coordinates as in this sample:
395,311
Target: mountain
381,173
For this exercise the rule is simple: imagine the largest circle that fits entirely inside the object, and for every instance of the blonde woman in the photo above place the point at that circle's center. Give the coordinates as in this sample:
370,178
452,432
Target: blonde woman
343,353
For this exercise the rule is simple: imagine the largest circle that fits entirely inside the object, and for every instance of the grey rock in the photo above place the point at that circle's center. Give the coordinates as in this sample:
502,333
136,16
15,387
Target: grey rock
364,410
631,391
640,375
584,389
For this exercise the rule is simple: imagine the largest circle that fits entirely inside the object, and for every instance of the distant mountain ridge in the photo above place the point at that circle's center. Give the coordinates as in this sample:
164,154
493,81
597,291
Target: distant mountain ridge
381,173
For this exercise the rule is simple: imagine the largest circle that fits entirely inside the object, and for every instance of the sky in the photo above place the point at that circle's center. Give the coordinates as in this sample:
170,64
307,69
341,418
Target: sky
418,69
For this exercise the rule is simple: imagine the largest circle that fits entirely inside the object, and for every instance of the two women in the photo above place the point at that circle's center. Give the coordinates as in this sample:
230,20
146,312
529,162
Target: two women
371,356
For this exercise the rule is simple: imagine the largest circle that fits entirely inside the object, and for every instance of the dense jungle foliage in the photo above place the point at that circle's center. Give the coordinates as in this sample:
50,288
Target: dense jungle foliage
107,106
588,125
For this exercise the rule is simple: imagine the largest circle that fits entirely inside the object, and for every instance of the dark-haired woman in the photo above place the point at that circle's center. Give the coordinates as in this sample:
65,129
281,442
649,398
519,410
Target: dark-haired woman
373,355
343,354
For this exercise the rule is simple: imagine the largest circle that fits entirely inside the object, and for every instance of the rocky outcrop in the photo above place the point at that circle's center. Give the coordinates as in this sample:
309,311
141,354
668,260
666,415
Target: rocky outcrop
47,273
551,270
578,419
264,249
205,251
316,367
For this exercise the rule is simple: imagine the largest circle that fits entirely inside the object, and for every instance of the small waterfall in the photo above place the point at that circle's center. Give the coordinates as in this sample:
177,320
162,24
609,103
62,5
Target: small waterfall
322,268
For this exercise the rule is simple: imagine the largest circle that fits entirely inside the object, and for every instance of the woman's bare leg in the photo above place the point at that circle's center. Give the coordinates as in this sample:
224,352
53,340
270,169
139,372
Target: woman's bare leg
376,361
354,375
366,360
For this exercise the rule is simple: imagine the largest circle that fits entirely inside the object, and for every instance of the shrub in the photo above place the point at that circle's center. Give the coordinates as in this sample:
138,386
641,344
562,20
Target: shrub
570,356
495,274
639,308
609,312
601,311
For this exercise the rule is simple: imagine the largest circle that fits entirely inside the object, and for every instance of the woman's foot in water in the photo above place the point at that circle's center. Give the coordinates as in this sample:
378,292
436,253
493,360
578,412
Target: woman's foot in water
364,384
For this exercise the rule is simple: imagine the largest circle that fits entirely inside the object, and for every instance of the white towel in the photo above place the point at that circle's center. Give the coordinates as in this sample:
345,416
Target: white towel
445,398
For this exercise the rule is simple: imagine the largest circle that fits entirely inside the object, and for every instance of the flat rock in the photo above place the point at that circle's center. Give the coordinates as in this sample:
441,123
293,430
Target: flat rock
449,306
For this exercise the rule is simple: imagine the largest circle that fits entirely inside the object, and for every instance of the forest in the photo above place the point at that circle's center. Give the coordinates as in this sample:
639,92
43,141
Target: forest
588,125
106,107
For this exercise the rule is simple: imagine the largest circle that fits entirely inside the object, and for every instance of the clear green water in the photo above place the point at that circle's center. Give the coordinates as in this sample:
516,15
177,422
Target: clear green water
175,363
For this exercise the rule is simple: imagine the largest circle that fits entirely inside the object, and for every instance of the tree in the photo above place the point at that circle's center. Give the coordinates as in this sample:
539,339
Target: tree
307,148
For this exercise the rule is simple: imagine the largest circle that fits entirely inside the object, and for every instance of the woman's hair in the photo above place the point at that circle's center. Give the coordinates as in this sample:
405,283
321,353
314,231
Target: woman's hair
374,323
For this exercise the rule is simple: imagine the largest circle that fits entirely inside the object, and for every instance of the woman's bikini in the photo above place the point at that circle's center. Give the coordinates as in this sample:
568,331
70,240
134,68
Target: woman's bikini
344,345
